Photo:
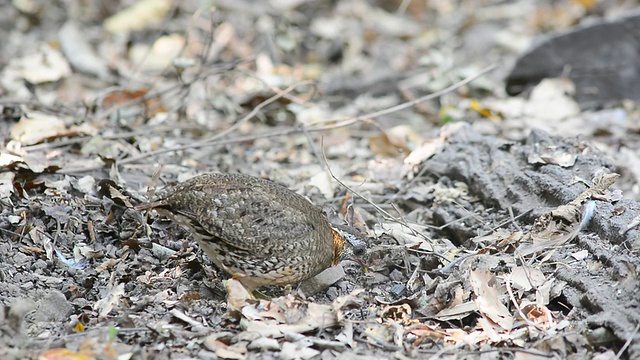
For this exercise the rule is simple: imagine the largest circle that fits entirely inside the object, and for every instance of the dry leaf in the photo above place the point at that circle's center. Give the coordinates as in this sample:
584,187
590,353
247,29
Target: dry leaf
79,52
346,335
7,177
526,278
237,295
484,111
322,181
138,16
397,140
297,350
64,354
122,96
550,100
160,55
381,145
488,300
403,235
457,312
285,314
46,65
379,332
223,350
422,153
580,255
108,302
552,155
38,127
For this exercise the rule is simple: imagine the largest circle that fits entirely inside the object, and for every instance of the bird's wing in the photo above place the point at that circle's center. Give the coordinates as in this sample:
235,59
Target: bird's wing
258,222
243,217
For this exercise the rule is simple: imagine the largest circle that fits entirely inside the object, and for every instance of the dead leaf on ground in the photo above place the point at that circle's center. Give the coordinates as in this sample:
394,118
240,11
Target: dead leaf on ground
488,299
397,140
37,127
45,65
288,314
65,354
109,300
138,16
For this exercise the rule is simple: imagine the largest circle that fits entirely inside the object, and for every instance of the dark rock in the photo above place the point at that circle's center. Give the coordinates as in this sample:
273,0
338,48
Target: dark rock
601,59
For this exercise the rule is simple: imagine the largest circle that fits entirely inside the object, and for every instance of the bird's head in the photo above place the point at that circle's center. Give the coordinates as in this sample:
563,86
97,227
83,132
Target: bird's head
348,244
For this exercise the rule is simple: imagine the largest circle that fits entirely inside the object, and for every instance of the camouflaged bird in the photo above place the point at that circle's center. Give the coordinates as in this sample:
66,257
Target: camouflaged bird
259,232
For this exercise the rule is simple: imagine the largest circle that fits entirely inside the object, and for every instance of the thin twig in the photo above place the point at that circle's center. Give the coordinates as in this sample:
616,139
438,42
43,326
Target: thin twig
512,297
411,103
378,208
250,115
628,342
312,145
214,141
400,220
277,90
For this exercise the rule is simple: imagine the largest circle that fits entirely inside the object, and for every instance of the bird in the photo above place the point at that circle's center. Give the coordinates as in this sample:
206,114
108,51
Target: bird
257,231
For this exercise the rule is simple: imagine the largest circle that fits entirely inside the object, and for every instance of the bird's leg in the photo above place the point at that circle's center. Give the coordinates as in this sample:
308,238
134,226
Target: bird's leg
258,295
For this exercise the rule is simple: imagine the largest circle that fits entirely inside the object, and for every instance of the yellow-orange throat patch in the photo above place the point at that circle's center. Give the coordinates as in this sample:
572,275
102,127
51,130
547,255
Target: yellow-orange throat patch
338,246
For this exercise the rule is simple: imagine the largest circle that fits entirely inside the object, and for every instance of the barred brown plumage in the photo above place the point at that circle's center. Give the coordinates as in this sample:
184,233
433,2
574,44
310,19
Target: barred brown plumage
256,230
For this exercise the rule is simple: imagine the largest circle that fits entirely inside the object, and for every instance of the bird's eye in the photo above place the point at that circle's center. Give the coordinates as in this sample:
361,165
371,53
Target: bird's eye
359,250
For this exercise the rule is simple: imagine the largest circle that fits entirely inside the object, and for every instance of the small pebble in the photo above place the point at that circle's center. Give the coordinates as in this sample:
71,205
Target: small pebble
53,307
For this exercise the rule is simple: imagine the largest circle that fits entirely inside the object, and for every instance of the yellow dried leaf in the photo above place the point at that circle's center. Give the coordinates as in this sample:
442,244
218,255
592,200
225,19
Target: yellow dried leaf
63,354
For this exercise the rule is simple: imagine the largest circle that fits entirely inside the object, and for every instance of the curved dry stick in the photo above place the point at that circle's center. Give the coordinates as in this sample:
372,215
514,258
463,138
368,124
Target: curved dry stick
213,141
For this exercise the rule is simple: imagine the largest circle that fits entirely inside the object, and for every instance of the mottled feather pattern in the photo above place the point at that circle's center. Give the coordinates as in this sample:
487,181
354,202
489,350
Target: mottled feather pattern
253,228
